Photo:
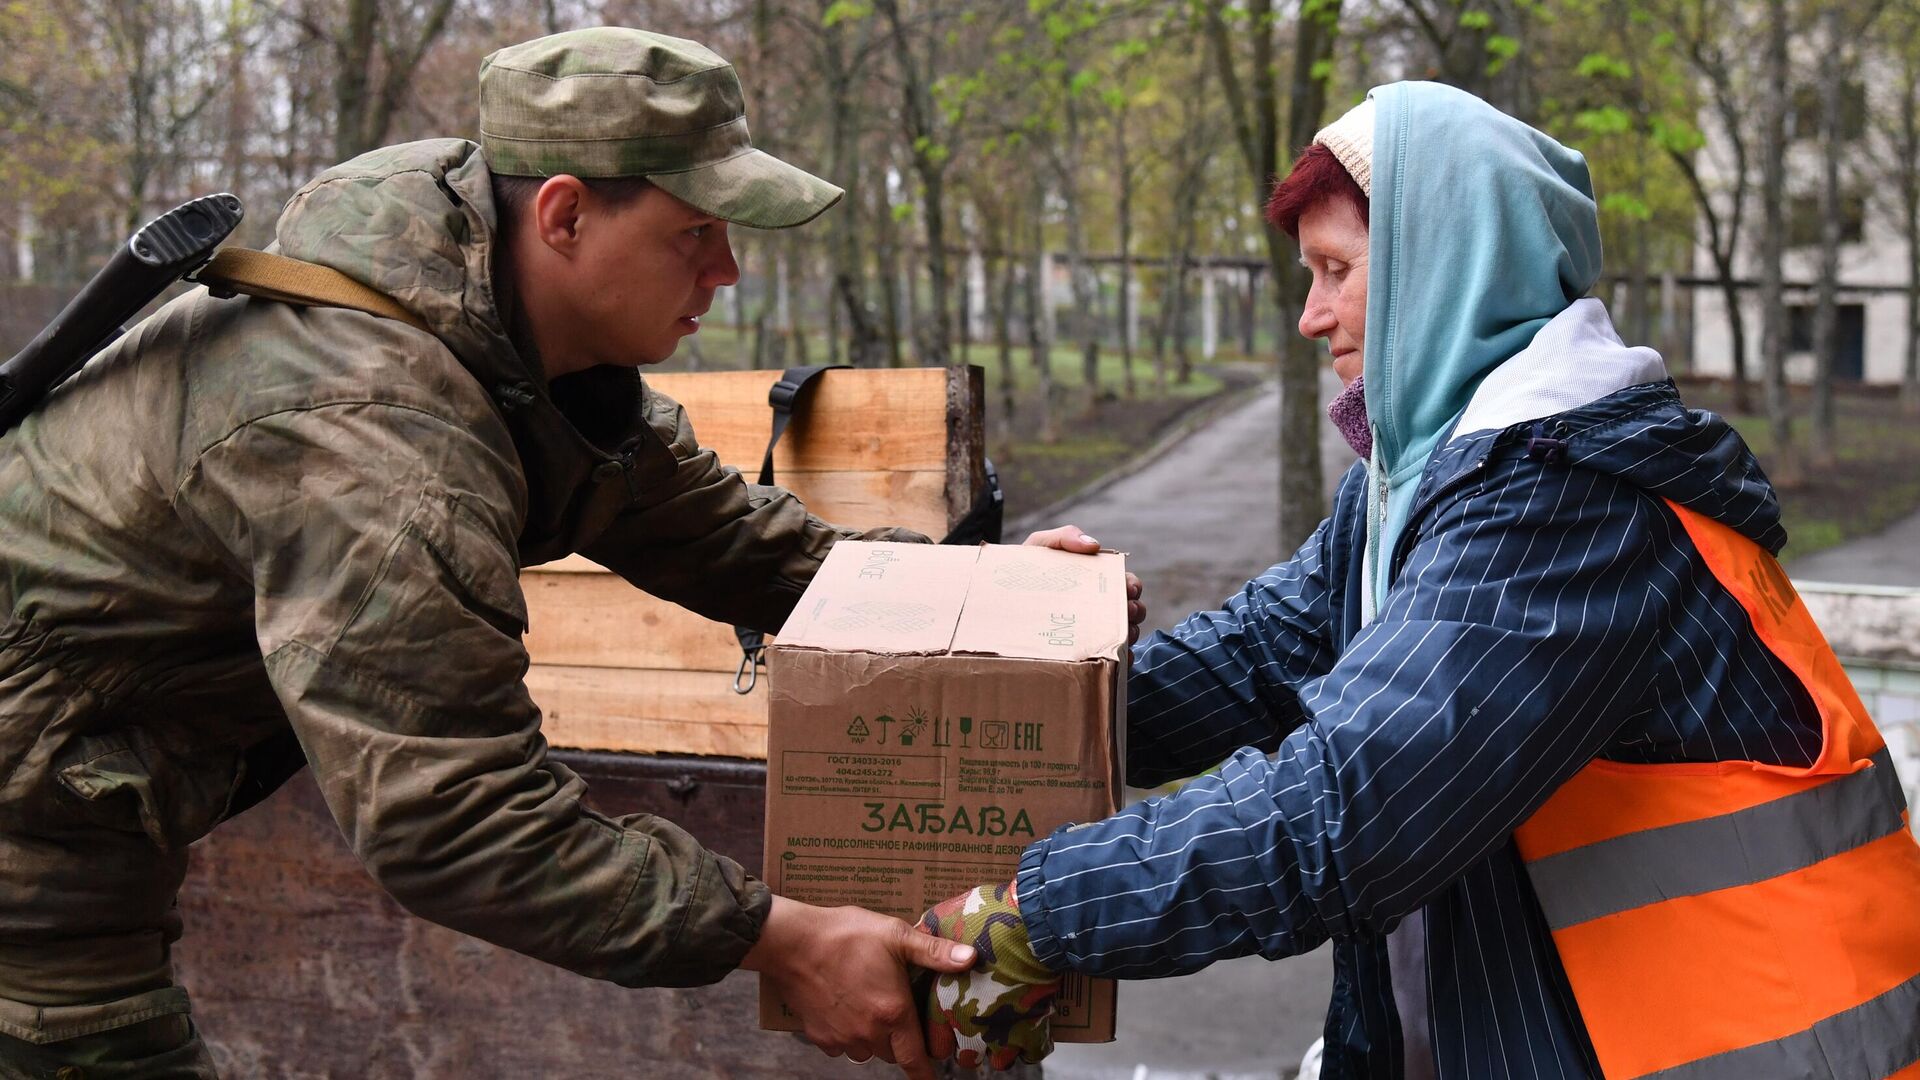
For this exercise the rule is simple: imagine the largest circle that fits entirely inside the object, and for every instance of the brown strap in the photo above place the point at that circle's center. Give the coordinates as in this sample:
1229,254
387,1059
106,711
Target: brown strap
294,281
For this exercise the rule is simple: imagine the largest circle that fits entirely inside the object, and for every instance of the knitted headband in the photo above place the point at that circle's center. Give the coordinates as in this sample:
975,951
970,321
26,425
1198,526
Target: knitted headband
1351,140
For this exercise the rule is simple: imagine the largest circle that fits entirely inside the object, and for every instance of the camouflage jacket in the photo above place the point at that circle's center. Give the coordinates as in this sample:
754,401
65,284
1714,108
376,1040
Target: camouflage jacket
249,523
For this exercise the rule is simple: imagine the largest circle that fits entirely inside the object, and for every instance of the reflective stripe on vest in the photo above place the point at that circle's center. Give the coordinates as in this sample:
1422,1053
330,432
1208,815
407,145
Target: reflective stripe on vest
1736,920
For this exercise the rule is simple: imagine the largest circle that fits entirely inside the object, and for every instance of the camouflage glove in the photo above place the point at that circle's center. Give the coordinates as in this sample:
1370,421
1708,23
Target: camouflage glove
999,1009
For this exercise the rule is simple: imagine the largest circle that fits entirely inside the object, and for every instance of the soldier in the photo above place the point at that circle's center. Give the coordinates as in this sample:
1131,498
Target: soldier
252,536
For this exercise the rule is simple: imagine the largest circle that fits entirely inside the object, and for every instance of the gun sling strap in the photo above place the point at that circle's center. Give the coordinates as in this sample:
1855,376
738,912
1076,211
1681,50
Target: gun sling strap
981,525
293,281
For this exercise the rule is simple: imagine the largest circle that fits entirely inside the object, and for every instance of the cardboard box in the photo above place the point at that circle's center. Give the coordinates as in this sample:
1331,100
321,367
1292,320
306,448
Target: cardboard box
934,710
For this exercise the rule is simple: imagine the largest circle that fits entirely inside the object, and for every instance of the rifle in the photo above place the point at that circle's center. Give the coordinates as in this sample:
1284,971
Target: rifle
166,249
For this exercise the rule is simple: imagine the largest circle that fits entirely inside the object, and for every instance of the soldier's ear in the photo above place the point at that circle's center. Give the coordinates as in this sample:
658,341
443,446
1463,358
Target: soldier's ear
556,213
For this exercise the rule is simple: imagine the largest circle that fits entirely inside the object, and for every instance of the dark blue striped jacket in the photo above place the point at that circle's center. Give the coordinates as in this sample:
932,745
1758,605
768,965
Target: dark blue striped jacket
1547,608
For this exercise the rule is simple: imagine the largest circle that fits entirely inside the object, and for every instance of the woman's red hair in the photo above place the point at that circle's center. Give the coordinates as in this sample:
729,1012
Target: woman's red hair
1317,176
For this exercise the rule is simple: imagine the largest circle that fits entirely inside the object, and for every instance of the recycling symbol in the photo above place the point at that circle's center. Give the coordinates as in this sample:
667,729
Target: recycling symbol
857,731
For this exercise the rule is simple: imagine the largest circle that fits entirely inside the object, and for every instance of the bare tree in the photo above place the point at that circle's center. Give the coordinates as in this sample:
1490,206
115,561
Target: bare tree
916,52
1476,47
167,59
1785,467
378,48
1707,35
1255,117
1900,135
1841,29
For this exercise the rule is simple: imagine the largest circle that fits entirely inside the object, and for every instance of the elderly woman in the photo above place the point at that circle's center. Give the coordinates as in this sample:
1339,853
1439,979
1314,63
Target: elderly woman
1533,727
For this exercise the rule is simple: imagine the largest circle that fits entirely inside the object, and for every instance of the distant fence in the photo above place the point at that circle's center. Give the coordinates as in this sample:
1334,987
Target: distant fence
1225,305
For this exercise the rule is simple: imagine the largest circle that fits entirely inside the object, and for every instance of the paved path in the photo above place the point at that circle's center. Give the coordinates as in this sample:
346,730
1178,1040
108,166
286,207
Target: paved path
1197,524
1889,558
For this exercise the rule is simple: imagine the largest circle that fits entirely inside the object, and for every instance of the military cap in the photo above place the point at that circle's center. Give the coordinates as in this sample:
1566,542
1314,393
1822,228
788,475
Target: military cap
612,101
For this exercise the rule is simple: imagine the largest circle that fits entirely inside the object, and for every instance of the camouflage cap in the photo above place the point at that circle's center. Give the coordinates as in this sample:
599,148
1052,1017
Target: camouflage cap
612,101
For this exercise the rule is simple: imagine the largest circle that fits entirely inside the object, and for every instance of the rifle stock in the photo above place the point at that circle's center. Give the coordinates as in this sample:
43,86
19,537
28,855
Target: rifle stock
164,250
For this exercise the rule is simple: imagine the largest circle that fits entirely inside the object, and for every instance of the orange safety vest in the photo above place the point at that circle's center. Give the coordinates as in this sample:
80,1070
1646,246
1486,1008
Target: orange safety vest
1734,920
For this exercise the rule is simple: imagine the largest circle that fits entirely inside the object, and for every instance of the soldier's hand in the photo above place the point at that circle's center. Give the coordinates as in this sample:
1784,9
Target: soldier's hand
997,1014
1070,538
845,972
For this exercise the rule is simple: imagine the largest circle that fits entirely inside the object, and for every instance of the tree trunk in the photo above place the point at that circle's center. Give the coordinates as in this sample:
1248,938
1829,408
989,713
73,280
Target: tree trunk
848,299
1124,165
1003,338
1737,330
1256,120
963,302
1182,350
1909,182
918,115
1826,314
363,113
889,273
1067,171
935,333
1785,468
1038,337
354,50
1163,321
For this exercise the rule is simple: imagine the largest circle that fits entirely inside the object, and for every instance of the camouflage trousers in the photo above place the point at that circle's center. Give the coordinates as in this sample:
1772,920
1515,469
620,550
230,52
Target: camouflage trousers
148,1036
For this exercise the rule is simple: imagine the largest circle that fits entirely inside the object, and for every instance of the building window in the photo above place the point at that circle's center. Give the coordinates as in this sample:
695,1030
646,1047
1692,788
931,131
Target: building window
1803,113
1803,219
1852,327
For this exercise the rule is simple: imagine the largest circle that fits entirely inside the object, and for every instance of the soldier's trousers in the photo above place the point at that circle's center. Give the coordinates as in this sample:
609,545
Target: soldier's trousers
162,1047
87,923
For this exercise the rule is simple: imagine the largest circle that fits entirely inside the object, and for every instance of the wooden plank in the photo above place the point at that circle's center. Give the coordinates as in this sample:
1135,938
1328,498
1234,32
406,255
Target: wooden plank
598,620
649,711
856,500
871,420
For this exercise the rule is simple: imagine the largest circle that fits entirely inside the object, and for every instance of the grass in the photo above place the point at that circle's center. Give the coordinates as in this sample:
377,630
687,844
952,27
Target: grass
1874,483
1068,372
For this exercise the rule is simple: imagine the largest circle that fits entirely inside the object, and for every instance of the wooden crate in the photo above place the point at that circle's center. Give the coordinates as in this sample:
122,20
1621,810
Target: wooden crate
616,669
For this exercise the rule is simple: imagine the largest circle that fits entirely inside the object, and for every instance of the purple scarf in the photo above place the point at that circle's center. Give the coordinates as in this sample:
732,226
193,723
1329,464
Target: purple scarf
1348,411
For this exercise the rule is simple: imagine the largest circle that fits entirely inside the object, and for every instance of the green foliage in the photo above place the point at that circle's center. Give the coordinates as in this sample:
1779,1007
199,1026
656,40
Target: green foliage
1599,65
1676,135
1476,20
1326,12
844,11
936,152
1605,120
1501,48
1626,205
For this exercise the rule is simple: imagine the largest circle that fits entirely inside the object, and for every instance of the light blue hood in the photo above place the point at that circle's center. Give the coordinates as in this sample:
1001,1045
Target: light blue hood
1481,231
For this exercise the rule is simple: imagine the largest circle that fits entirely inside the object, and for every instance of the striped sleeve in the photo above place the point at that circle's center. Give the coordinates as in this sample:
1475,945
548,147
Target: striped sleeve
1230,678
1518,637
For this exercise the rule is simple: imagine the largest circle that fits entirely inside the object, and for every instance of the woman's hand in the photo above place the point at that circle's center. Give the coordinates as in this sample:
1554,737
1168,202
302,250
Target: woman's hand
1070,538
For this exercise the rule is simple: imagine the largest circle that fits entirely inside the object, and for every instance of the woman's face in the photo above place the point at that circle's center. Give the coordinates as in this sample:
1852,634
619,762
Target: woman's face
1333,245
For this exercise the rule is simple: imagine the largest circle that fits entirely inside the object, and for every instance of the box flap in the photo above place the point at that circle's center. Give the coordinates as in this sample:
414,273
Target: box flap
1045,604
883,598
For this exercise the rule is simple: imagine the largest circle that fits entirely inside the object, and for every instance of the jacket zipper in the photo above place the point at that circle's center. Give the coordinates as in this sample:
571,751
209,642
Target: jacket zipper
1403,546
1376,521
